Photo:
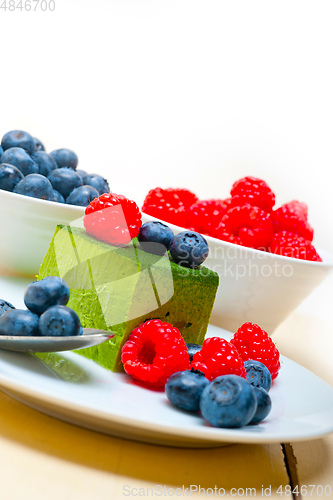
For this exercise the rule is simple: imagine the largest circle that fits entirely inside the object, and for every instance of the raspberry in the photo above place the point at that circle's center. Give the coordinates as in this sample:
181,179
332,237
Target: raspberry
292,245
292,217
253,191
166,204
246,225
113,218
253,343
218,357
205,216
186,197
153,352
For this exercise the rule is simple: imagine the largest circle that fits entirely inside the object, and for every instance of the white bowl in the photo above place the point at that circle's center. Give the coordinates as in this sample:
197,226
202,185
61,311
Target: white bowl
27,226
257,286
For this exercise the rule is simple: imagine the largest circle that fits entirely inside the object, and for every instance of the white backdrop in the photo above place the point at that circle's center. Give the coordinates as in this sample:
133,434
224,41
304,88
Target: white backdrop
180,93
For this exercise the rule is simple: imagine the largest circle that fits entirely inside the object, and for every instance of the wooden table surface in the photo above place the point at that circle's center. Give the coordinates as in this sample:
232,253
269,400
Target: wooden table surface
42,458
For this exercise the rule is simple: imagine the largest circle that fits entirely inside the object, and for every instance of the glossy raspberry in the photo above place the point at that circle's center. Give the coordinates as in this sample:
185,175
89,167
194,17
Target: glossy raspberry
153,352
253,191
168,204
218,357
254,343
292,217
113,218
292,245
205,216
246,225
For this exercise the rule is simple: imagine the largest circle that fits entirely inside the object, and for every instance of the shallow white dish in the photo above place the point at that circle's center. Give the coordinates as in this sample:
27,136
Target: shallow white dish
92,397
256,286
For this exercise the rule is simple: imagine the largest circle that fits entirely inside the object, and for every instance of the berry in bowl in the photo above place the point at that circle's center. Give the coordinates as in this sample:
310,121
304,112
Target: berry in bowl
264,256
38,190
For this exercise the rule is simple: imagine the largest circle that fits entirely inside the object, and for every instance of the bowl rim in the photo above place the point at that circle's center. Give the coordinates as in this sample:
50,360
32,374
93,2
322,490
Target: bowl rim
285,259
31,199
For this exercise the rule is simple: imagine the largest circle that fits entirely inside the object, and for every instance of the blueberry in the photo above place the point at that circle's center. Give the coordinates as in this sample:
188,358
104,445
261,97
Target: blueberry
19,322
35,186
39,146
257,374
59,321
50,291
65,158
192,349
228,401
65,180
9,177
183,389
21,160
57,197
189,249
46,163
264,405
82,196
98,182
1,151
18,139
5,306
155,237
82,173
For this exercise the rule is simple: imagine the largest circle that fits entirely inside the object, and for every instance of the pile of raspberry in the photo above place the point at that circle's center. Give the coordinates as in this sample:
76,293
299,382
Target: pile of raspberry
155,350
246,218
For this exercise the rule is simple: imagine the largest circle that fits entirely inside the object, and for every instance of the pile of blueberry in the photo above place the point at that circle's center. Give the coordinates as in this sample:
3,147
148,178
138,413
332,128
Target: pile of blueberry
188,248
228,400
25,168
47,313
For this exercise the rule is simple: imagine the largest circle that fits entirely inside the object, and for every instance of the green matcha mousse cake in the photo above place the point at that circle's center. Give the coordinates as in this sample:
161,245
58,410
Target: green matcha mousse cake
118,288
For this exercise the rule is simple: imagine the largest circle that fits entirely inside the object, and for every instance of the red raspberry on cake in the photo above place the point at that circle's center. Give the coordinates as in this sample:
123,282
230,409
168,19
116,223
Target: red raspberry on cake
205,216
253,191
291,245
254,343
113,218
218,357
154,351
247,226
292,217
168,205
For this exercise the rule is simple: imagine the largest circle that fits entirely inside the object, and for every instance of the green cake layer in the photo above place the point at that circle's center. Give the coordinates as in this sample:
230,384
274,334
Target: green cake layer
118,288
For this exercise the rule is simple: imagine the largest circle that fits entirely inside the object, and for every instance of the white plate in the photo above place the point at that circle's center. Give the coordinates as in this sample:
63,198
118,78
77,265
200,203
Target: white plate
92,397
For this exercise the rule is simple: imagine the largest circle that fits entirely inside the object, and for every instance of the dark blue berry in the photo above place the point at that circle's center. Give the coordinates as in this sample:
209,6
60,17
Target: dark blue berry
59,321
1,151
65,180
39,146
46,163
35,186
155,237
5,306
228,401
258,374
18,139
65,158
50,291
82,196
192,349
184,389
19,322
57,197
264,405
82,173
189,249
21,160
9,177
98,182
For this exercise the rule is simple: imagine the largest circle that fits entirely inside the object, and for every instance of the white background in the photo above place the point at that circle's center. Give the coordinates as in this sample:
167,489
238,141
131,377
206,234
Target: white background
180,93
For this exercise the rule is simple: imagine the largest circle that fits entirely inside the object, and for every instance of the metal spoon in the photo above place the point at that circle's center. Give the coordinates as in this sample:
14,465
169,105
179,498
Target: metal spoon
89,338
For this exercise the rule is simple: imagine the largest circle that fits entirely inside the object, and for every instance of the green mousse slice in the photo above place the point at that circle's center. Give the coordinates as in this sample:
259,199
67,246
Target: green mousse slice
117,289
